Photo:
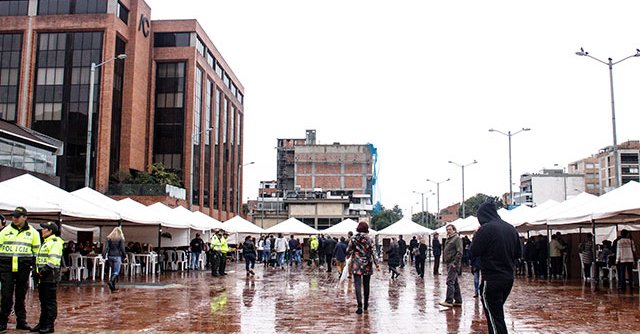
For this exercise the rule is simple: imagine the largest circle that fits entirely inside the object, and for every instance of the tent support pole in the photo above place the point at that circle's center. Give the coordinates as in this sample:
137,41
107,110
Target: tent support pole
593,267
159,237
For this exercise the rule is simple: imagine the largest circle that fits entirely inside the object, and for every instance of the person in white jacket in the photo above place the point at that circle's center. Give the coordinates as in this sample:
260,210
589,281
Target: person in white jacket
281,246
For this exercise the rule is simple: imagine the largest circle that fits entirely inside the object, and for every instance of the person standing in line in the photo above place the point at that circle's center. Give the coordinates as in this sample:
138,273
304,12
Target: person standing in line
47,276
394,258
624,259
19,244
293,251
216,255
281,246
586,253
266,250
114,252
196,245
453,260
497,244
402,250
436,249
321,256
340,254
555,254
261,249
413,244
362,261
421,256
329,247
224,249
249,254
314,244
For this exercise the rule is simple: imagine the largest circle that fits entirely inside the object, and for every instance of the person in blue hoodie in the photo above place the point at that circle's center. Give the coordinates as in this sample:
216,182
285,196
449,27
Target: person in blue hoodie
497,245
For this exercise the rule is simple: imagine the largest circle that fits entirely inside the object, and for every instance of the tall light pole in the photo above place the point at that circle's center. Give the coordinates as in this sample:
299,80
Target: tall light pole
462,167
422,215
92,76
610,64
194,137
429,192
238,200
437,183
509,135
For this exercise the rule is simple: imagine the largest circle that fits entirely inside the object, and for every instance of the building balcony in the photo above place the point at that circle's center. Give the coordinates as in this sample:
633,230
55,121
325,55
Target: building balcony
147,190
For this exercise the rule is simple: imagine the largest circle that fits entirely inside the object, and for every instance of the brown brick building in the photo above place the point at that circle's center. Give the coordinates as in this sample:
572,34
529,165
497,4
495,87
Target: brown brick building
173,99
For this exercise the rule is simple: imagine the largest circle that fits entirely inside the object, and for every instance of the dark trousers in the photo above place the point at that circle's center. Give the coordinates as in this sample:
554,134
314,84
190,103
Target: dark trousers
532,267
453,287
402,258
436,265
10,283
48,304
362,281
327,259
494,295
420,265
622,267
222,263
556,265
215,262
249,261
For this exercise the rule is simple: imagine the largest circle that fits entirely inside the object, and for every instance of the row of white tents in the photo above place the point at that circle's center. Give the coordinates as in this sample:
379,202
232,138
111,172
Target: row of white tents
604,215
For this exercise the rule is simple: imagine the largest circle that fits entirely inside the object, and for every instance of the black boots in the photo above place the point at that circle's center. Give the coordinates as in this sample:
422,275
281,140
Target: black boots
112,283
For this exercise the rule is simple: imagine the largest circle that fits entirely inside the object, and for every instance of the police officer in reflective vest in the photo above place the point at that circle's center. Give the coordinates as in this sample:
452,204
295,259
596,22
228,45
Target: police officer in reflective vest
19,243
48,274
216,254
224,248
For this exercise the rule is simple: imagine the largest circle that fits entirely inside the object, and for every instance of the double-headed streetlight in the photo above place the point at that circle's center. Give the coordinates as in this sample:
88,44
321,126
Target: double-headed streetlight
509,135
422,215
437,183
92,75
610,64
462,167
194,139
240,166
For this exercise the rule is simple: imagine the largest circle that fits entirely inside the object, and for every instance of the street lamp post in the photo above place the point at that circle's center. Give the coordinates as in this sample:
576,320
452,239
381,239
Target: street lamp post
92,75
240,166
422,215
509,135
193,139
610,64
462,167
437,183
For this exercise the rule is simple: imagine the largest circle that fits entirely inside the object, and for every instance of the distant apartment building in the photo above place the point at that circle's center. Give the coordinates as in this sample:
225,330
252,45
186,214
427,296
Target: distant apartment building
173,100
320,185
589,167
449,214
549,184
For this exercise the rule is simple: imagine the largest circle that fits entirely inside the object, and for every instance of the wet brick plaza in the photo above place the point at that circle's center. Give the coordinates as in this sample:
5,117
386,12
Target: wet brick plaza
309,301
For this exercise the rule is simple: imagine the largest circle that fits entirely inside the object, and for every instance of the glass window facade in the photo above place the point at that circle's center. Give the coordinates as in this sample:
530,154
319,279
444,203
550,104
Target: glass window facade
10,56
207,145
63,67
116,108
27,157
216,138
122,12
60,7
14,7
169,115
225,152
171,39
202,50
197,133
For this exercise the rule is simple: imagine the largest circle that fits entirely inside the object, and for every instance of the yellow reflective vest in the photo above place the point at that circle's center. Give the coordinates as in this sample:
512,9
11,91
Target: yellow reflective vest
215,243
18,247
224,246
48,259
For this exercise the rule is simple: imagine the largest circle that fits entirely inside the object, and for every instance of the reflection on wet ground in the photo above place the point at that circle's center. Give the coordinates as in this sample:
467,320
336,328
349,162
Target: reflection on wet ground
306,300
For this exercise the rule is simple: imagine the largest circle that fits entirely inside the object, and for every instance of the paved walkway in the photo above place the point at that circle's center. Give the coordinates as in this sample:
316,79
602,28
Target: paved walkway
309,301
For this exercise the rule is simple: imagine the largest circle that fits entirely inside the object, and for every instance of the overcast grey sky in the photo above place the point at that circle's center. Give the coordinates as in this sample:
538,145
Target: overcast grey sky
424,81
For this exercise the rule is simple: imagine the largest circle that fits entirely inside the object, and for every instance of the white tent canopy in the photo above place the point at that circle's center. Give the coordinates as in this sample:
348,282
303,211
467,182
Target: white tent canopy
240,225
344,227
468,225
125,211
202,220
405,226
292,226
199,222
10,199
540,219
69,205
169,217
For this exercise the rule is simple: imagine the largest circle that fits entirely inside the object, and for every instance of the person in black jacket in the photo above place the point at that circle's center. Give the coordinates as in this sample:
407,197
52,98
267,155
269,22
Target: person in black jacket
498,246
114,252
402,250
394,258
413,244
436,248
329,246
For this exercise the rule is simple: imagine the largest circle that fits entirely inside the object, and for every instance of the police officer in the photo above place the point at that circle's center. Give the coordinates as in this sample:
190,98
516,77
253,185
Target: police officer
19,243
48,274
216,247
224,248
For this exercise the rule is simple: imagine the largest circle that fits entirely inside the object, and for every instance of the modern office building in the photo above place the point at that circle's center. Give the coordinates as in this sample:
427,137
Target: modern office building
174,100
590,168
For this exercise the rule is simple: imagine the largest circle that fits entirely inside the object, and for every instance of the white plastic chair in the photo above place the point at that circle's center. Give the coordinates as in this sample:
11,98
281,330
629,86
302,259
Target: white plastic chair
202,260
172,259
182,262
134,265
78,266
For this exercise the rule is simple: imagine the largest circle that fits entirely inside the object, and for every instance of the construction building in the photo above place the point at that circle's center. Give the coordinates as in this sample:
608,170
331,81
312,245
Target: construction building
320,185
173,100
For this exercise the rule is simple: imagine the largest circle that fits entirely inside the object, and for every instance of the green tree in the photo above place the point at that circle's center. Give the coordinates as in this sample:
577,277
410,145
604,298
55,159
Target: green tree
157,174
429,219
472,204
386,217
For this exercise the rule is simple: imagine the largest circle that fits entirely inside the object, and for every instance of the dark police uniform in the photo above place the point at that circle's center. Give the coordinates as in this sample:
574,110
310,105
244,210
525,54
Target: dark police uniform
18,248
48,275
